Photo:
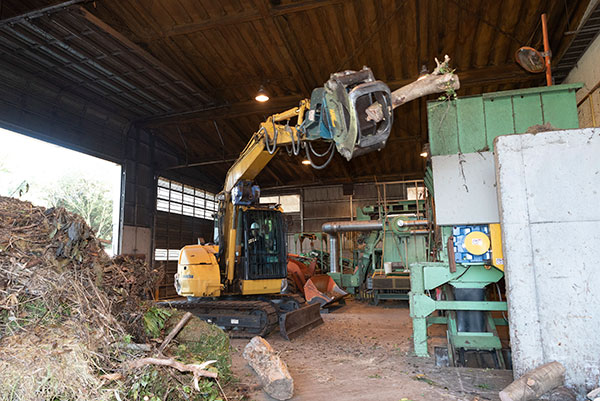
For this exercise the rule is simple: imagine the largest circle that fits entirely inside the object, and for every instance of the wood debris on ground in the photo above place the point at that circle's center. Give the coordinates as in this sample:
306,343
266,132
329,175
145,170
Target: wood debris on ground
67,309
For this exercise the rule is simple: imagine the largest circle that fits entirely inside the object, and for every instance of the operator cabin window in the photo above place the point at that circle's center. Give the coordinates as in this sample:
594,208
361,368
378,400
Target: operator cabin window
289,203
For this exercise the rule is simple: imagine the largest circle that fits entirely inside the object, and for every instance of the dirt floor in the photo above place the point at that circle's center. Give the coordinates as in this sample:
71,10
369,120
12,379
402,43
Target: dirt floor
364,352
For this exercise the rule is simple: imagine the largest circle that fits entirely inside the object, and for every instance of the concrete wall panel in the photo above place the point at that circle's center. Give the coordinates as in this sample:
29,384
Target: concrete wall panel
549,192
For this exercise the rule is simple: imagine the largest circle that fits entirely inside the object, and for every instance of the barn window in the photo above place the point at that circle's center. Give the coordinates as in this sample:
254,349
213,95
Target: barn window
289,203
174,197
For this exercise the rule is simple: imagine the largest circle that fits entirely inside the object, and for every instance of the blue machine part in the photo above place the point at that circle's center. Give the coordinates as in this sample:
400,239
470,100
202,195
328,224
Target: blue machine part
315,124
245,193
461,254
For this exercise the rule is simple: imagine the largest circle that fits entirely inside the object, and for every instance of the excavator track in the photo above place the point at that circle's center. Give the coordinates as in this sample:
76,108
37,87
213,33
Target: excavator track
242,318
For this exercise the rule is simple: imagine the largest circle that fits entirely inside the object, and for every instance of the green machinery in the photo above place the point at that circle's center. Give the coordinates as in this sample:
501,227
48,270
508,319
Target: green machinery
392,236
468,237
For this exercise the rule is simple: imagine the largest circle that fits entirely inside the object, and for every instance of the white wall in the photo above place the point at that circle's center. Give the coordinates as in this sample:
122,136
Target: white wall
549,192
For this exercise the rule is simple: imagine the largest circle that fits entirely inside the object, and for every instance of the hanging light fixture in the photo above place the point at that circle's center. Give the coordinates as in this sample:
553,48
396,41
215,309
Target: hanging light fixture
261,95
306,162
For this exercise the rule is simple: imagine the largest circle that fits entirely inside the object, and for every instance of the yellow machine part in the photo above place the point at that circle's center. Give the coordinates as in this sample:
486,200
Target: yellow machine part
497,255
198,272
267,286
477,243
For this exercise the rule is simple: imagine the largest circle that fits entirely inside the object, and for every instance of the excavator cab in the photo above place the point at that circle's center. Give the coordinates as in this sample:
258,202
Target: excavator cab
264,253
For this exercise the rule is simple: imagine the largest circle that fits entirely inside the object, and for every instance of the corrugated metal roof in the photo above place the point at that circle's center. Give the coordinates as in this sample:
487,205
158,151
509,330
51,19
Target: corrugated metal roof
74,50
584,37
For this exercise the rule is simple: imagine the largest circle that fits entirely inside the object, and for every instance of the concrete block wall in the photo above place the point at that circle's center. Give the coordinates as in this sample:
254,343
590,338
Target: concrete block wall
549,198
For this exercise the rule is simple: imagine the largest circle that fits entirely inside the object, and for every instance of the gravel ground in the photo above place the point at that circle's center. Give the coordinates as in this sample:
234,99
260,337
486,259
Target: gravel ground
364,352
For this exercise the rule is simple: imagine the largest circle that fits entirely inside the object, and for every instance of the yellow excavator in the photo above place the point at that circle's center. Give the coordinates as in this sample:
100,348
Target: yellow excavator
237,283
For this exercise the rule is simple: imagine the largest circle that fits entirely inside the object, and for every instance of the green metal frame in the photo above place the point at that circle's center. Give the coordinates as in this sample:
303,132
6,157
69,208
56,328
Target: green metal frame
429,276
399,245
470,124
467,125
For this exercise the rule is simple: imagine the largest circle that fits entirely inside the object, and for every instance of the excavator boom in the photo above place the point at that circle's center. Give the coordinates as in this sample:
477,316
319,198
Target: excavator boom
249,269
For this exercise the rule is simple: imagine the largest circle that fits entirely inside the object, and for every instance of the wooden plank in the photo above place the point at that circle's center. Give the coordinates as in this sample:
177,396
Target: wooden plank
403,40
450,22
504,46
383,45
421,31
213,23
245,17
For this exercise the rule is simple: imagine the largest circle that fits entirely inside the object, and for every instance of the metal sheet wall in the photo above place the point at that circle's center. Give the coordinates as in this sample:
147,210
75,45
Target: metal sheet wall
328,203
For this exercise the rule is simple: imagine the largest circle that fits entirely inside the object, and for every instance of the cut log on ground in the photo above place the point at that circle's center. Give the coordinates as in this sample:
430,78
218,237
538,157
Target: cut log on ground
271,370
442,79
535,383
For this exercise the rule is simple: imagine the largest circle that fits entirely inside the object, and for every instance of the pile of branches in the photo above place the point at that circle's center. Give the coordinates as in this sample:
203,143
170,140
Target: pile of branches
50,258
63,303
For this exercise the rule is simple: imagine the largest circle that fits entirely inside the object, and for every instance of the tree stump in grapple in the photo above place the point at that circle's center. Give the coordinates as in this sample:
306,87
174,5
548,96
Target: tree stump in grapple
269,367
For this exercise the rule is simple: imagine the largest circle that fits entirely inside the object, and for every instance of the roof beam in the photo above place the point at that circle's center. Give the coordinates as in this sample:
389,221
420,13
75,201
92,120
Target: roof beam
239,109
479,77
247,16
494,75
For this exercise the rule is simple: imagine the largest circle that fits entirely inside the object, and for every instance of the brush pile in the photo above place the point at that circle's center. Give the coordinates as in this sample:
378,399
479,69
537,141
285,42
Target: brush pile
65,307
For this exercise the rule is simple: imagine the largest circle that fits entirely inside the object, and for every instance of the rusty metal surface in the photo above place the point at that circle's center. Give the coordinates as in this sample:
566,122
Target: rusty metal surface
322,290
295,323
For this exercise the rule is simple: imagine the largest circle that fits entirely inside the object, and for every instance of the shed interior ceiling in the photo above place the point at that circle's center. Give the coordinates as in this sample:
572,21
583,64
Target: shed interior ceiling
186,71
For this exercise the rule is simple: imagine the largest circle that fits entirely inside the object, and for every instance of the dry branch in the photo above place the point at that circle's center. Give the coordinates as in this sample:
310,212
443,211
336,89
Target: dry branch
175,331
195,369
440,80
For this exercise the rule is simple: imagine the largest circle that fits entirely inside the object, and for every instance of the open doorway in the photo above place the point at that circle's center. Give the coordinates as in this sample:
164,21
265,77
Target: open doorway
49,175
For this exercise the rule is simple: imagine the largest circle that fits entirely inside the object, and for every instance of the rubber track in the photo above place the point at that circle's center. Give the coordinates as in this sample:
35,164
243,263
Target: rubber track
235,306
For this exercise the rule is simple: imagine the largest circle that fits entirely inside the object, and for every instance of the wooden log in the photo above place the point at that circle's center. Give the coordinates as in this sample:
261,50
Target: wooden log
440,80
535,383
271,370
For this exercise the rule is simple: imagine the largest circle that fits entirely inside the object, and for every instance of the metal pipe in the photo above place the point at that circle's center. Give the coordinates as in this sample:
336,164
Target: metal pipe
333,260
546,50
410,223
349,226
334,227
414,232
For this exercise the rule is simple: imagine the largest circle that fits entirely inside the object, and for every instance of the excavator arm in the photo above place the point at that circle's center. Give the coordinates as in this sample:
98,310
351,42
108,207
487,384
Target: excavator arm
335,114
